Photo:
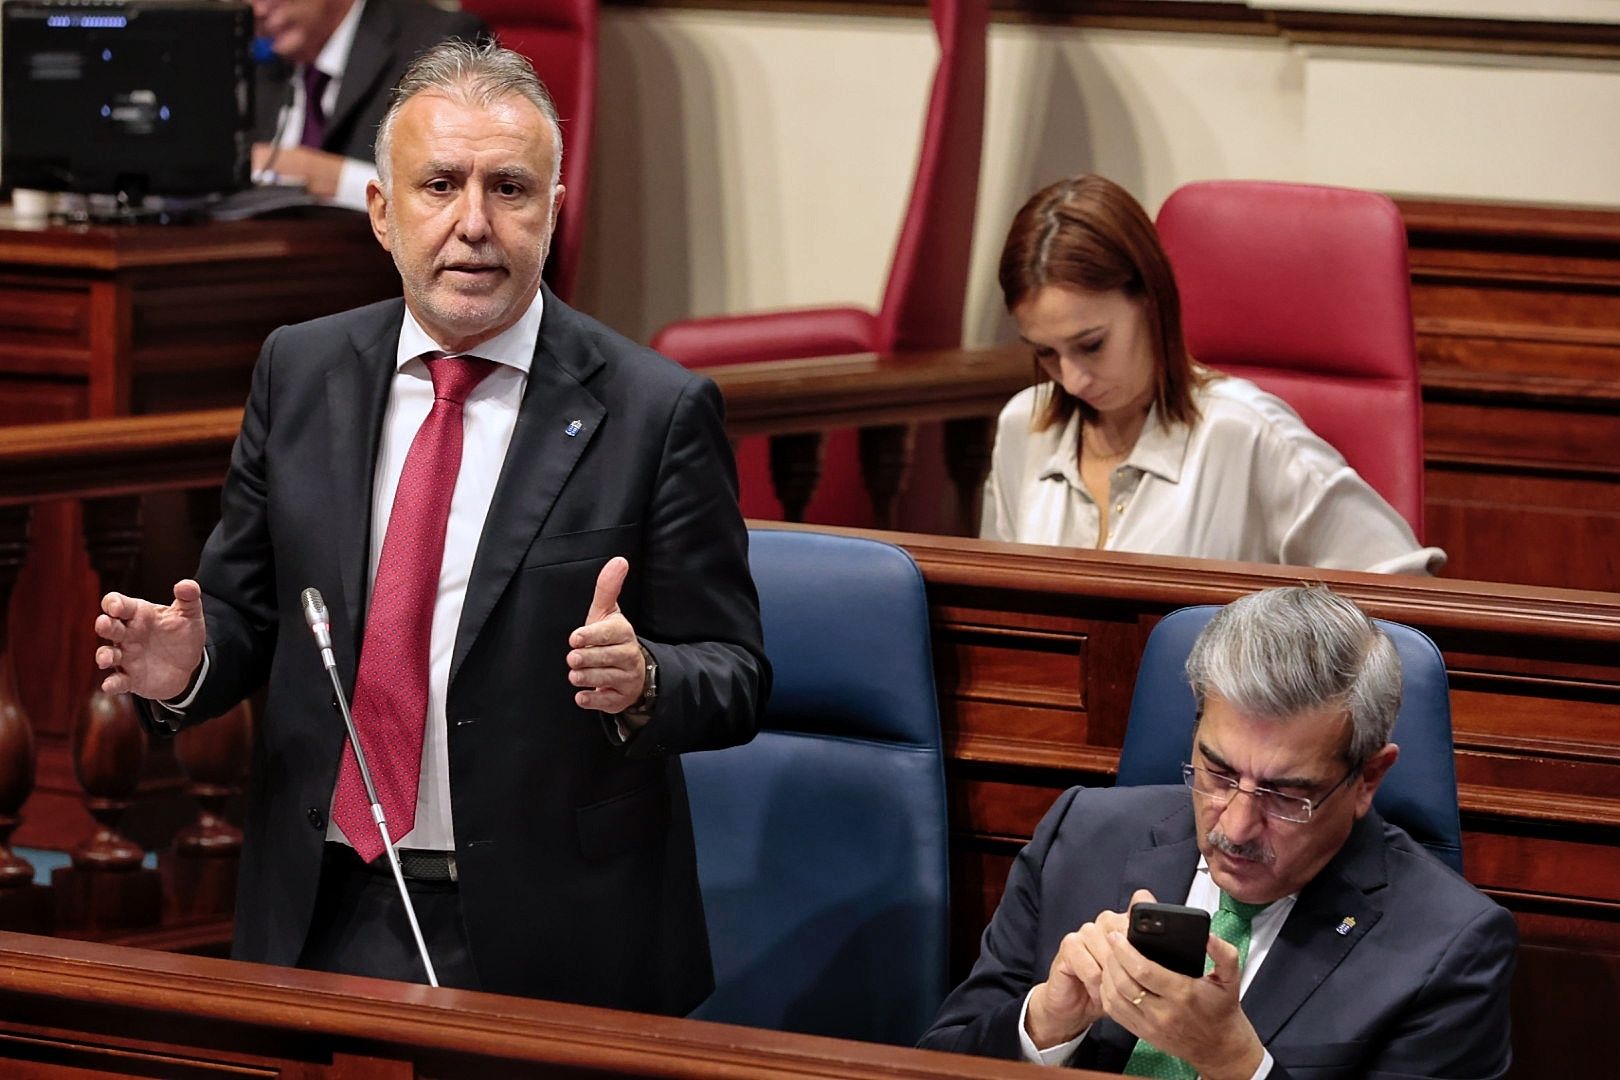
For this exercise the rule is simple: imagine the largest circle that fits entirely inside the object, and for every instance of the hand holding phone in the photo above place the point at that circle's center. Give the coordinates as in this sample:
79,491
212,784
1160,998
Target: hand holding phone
1173,936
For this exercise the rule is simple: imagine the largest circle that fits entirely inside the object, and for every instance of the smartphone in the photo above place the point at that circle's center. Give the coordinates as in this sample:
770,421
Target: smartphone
1171,935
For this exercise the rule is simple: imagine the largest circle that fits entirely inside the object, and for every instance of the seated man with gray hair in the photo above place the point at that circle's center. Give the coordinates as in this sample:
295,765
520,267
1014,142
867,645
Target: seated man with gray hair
1340,947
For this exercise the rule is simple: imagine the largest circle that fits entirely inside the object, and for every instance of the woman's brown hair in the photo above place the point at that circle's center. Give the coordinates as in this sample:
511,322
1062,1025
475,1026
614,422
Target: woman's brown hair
1089,233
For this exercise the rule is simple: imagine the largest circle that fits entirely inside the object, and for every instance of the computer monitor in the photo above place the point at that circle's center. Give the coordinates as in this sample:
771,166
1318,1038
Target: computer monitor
126,97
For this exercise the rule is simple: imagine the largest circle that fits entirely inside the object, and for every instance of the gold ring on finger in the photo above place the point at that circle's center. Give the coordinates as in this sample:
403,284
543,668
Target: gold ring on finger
1139,998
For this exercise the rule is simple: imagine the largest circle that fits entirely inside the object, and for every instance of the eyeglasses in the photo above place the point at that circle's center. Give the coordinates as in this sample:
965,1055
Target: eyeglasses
1219,790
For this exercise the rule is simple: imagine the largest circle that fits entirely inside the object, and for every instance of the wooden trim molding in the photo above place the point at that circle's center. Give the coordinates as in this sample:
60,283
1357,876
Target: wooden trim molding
1518,37
77,1005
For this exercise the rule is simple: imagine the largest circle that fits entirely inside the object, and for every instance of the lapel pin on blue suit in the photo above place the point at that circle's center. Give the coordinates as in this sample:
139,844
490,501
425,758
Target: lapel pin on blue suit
1347,924
574,428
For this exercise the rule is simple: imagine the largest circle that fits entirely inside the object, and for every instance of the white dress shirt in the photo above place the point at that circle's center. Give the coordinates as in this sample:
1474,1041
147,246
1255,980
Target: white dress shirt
1204,894
333,58
488,419
1248,482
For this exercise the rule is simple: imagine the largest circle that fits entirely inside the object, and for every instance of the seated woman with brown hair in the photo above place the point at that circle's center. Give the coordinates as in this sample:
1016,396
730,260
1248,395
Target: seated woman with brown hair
1125,443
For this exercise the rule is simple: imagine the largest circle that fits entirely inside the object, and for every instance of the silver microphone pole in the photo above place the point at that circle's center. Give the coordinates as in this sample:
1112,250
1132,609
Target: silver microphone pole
321,626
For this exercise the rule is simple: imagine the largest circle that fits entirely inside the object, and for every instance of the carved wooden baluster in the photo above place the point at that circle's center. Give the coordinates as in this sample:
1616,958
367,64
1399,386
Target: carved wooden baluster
795,471
968,442
106,888
199,874
23,906
885,454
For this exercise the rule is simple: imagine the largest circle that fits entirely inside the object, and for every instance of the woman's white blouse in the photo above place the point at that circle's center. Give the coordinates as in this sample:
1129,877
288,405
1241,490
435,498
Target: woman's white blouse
1248,482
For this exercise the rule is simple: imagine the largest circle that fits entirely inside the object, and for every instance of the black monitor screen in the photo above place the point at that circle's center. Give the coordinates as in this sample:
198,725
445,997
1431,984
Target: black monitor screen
132,97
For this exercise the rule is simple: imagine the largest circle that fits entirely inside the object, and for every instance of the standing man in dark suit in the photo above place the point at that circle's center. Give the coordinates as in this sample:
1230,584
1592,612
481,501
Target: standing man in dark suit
320,99
580,615
1341,948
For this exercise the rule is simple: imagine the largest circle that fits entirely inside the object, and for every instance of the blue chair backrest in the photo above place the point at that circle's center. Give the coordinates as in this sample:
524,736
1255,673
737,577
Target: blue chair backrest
822,843
1419,794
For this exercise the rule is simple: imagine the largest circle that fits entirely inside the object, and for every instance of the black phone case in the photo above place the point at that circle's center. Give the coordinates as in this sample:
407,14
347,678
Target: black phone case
1171,935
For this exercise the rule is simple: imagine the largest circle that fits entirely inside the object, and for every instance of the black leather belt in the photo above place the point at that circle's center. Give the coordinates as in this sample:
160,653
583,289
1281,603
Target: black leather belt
415,865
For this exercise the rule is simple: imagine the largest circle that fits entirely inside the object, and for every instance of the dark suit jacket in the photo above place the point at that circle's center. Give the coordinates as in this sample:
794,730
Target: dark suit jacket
575,855
1418,986
389,36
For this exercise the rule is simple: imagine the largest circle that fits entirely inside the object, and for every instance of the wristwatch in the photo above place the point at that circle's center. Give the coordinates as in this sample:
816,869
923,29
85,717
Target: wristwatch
642,709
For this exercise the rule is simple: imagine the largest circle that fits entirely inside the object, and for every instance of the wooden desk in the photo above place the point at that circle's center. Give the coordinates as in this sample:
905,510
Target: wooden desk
111,320
70,1010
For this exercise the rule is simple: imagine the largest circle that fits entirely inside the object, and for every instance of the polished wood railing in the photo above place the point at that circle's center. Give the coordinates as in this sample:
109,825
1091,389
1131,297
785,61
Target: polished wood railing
74,1009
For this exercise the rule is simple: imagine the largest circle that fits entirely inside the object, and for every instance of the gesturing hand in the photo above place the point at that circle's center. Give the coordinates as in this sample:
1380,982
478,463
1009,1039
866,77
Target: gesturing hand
154,649
605,656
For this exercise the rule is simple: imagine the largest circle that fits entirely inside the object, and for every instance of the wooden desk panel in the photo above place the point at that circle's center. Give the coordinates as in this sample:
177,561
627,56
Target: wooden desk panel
113,317
1517,311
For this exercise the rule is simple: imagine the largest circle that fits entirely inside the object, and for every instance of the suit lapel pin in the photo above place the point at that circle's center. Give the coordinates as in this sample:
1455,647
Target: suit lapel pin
1345,925
574,428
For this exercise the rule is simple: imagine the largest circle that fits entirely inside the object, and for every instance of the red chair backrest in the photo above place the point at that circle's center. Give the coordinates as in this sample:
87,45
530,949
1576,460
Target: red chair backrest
559,38
927,287
1305,290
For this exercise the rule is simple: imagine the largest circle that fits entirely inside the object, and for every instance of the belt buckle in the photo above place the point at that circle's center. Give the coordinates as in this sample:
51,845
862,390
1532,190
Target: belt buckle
428,865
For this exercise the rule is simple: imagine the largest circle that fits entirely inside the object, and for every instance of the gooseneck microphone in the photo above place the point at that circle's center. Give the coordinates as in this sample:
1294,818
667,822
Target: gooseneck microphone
320,624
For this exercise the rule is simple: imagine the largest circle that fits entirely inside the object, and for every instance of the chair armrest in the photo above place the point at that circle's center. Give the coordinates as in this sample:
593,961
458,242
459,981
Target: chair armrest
768,335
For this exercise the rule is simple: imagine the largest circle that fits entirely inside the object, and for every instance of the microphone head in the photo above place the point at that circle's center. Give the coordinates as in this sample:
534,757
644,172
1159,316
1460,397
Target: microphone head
320,624
314,606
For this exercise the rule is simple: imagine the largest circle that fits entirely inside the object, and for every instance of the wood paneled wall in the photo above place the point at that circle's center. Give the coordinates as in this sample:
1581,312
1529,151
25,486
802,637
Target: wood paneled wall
1518,327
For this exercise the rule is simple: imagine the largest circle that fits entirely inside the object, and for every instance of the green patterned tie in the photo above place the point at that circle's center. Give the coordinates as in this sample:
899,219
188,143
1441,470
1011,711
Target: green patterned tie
1234,924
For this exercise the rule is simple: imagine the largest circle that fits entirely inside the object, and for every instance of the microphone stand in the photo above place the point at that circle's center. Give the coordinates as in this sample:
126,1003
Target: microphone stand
315,614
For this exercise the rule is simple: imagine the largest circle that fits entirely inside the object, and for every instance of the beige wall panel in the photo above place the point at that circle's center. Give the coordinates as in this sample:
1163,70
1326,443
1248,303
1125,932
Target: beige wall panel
746,161
1151,111
1449,125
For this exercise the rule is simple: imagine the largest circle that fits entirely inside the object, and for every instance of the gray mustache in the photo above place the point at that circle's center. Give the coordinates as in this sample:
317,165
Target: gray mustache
1254,851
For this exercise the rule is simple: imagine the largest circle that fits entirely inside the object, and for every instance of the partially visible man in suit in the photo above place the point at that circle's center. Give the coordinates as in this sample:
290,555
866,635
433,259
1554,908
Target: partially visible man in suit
319,100
1341,948
528,529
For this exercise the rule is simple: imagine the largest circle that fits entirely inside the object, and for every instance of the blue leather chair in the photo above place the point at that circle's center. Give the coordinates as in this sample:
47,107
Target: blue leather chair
1419,794
822,844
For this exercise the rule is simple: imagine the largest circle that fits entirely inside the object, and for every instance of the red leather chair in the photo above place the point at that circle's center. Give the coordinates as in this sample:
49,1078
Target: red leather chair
1304,289
559,39
927,286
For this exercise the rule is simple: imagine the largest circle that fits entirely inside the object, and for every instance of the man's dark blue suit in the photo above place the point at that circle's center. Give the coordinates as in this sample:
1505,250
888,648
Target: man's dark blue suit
1390,964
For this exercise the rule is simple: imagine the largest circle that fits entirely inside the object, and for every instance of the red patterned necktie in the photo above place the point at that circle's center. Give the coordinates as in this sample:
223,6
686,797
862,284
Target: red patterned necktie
391,689
315,82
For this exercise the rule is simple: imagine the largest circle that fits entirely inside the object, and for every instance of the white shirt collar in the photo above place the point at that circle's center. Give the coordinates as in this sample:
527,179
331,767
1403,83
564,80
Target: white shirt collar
334,55
513,347
1161,448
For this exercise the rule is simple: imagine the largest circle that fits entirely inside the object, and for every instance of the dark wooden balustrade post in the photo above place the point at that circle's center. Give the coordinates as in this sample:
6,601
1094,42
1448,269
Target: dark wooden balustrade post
885,453
199,873
106,888
23,905
968,443
795,471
